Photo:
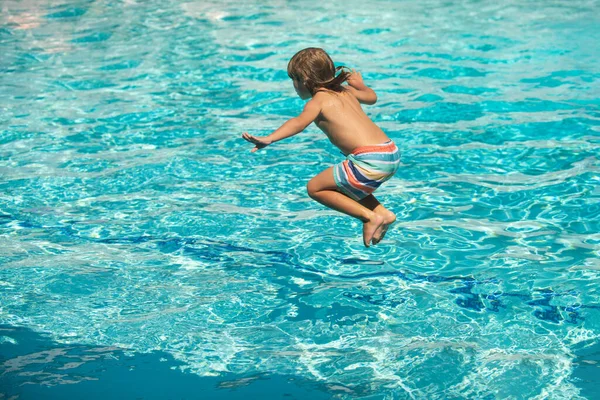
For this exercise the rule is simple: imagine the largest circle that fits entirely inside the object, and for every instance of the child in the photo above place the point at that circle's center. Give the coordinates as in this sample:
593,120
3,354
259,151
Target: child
372,158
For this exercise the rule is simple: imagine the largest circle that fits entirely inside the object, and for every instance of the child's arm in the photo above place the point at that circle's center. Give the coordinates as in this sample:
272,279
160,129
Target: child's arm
362,92
289,128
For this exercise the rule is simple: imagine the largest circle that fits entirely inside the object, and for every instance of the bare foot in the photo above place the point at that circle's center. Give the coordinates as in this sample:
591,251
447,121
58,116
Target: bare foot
370,227
388,219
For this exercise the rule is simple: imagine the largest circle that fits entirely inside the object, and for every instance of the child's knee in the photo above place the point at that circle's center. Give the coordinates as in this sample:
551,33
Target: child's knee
312,188
322,182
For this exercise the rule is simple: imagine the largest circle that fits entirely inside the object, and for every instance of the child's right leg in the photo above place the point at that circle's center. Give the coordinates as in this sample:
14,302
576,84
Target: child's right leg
389,217
323,189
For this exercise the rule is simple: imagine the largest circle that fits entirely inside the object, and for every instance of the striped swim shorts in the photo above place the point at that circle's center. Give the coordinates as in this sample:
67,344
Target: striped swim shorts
366,168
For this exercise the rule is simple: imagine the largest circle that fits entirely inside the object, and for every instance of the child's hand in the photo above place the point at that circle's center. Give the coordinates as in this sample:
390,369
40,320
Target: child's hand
259,142
355,80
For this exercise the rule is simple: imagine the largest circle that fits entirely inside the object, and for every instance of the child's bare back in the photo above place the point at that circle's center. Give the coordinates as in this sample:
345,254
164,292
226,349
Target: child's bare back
344,122
371,157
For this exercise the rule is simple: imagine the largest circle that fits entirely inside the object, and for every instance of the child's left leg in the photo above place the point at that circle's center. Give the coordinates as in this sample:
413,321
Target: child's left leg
323,189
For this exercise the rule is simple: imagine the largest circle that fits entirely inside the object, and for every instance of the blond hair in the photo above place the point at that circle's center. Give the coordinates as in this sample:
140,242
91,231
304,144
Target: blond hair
315,69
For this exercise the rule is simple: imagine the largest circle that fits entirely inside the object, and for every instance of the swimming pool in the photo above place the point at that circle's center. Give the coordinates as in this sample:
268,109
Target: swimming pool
146,252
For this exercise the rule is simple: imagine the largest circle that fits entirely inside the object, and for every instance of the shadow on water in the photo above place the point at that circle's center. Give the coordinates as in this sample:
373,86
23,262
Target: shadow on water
34,367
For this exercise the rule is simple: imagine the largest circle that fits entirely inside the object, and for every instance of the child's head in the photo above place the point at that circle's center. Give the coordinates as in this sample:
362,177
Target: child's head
314,69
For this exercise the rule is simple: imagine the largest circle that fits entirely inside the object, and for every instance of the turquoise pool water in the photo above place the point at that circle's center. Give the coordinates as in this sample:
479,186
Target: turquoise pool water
145,251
